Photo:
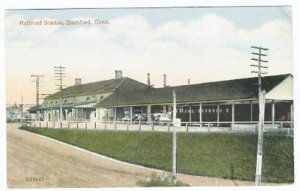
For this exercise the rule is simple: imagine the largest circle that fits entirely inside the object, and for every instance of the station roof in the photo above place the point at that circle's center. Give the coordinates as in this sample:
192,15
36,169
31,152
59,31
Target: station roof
95,87
124,84
236,89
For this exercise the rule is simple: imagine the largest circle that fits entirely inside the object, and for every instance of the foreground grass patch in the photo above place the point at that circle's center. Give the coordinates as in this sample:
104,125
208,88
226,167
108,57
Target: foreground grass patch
218,155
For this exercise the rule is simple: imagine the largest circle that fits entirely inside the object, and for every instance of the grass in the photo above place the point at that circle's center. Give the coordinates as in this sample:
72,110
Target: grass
217,155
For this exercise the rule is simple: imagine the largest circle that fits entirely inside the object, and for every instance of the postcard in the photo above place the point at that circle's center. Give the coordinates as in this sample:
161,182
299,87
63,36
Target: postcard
149,97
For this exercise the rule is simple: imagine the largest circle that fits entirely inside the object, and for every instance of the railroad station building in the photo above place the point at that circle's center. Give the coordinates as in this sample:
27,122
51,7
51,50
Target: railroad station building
125,99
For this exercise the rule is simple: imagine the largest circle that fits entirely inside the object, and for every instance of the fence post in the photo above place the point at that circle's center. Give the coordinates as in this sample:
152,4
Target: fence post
47,124
140,128
115,125
152,126
187,127
104,125
208,126
95,125
53,124
68,124
40,124
85,125
77,125
127,126
168,125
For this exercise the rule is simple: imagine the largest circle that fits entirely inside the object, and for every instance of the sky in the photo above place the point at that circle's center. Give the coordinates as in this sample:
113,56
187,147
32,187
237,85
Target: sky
200,44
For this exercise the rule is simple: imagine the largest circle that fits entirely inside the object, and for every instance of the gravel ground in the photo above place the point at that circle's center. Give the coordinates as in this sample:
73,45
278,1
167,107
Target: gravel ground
37,162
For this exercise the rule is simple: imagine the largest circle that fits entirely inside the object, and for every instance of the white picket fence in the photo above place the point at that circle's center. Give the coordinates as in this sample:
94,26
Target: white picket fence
280,127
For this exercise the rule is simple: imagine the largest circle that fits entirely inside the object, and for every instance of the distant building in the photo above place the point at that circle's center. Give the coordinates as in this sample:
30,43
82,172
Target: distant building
14,113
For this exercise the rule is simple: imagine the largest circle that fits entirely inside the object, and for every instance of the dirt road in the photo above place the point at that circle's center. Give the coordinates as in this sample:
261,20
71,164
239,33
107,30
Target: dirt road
37,162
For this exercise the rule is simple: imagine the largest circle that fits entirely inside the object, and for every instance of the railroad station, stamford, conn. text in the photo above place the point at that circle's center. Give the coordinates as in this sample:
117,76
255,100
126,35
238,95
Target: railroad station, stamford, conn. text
49,22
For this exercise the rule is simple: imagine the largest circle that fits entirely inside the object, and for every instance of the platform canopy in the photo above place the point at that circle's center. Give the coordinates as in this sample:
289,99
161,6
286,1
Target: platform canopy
277,87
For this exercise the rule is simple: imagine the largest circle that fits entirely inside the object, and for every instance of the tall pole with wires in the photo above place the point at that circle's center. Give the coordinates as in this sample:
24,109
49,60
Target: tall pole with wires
60,74
37,90
22,111
37,87
261,98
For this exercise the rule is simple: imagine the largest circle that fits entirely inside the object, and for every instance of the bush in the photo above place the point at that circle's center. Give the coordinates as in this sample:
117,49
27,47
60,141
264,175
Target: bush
157,181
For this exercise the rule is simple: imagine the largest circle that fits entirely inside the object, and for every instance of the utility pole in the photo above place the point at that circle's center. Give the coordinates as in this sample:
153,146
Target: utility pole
37,88
261,99
22,111
174,153
59,74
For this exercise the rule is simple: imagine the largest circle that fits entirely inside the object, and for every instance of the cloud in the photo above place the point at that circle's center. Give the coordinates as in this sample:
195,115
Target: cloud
207,48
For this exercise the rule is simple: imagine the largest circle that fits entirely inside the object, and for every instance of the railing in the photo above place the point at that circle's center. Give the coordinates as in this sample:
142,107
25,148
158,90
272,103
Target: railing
280,127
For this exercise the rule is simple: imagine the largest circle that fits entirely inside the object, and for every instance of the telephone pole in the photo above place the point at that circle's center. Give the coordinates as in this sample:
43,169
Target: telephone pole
174,152
261,98
22,111
59,74
37,87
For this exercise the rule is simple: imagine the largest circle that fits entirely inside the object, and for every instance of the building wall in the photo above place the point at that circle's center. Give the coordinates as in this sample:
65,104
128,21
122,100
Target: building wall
74,114
283,91
77,99
101,114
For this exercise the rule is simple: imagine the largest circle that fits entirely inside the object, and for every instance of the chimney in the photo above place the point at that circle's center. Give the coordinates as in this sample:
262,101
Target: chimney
118,74
165,80
148,79
77,81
